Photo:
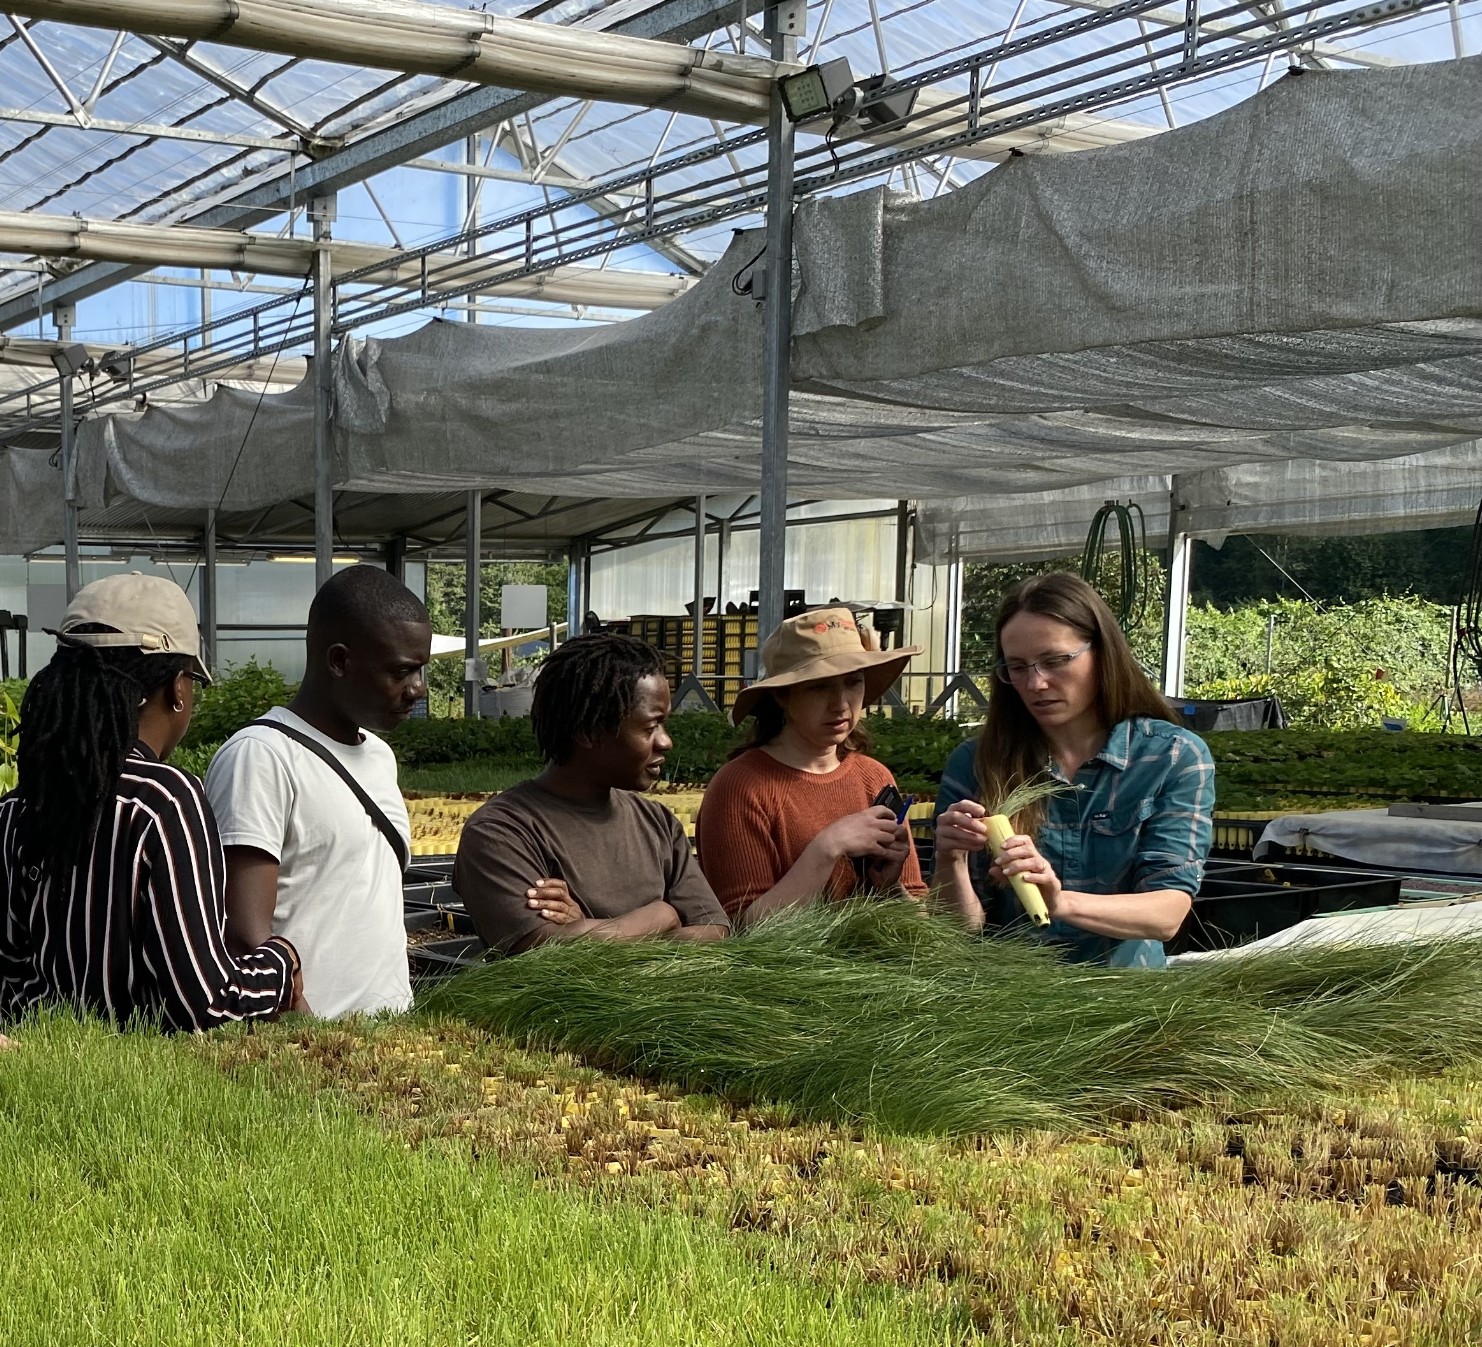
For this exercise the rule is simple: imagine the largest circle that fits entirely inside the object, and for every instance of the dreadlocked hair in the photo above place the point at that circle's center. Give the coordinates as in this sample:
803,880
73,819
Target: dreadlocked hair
79,720
585,689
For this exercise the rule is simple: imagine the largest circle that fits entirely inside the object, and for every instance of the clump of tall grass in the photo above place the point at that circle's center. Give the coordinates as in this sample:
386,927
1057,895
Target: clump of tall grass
877,1012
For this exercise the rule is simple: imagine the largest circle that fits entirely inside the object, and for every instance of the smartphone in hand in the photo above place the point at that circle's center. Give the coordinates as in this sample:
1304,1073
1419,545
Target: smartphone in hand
893,800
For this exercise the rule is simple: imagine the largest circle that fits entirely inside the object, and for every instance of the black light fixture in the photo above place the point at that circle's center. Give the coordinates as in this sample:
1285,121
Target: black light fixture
117,366
816,91
880,107
70,360
830,90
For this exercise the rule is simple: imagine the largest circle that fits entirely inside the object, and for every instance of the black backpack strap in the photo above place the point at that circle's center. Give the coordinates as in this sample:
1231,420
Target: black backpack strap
383,824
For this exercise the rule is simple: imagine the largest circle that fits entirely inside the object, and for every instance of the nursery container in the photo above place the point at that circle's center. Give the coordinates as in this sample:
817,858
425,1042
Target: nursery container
442,958
1337,889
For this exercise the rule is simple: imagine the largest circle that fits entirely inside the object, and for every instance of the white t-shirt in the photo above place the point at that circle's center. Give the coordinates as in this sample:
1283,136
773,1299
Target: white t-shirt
339,882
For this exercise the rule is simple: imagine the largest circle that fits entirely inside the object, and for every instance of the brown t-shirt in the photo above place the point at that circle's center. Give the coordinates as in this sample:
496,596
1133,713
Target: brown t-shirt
615,858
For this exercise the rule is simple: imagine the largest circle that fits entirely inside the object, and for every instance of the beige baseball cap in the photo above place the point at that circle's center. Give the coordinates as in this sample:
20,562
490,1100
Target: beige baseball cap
147,612
821,644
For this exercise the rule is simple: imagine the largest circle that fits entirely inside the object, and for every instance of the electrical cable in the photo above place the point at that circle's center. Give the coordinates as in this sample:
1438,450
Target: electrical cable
1131,599
743,287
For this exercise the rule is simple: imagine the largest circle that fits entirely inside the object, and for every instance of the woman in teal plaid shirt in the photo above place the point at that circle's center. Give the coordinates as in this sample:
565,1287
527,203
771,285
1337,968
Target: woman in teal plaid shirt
1119,854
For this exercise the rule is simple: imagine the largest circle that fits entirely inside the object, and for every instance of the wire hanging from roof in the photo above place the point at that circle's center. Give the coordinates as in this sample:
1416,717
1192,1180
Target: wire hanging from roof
1130,600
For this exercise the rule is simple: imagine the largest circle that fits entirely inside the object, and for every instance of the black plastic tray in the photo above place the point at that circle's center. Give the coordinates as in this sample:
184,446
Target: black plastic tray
423,917
1233,912
443,958
1337,889
428,881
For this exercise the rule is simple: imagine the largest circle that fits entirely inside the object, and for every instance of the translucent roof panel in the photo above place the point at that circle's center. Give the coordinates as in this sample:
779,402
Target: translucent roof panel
129,127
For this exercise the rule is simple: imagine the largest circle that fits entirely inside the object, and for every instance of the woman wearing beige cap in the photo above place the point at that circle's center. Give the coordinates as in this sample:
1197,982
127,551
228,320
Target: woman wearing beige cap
114,880
792,816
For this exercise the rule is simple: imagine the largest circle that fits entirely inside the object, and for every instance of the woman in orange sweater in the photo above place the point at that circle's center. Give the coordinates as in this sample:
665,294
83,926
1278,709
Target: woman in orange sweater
790,818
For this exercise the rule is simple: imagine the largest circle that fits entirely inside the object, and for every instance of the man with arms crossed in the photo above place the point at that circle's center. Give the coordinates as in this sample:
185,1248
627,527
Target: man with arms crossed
579,853
307,856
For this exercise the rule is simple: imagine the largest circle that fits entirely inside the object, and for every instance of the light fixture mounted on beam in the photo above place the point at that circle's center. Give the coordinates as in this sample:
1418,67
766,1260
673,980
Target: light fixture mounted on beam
118,366
71,360
814,92
830,90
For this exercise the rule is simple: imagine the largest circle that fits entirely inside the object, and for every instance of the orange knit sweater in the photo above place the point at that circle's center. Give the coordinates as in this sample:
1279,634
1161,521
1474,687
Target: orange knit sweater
759,815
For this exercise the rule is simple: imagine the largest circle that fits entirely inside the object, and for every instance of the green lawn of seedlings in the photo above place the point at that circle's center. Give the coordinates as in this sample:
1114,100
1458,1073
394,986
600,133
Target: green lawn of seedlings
146,1197
476,776
1337,1220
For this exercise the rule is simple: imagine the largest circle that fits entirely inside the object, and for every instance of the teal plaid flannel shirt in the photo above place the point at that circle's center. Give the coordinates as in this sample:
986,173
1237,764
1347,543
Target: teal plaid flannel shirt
1140,819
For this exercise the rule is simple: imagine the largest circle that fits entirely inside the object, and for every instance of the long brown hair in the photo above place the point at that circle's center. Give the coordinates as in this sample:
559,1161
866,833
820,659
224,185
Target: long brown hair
1012,748
767,719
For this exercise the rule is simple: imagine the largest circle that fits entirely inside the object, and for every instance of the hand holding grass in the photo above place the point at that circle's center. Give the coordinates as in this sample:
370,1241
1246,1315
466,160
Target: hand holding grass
961,831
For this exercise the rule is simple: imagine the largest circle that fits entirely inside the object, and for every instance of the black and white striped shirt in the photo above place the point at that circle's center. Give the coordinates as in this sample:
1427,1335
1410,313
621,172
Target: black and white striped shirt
138,927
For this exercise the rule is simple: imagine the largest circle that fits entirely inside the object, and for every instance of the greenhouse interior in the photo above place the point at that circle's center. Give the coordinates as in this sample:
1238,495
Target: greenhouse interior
894,588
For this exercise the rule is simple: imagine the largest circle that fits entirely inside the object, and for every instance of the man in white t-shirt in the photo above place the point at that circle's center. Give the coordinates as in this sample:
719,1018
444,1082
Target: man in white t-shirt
305,857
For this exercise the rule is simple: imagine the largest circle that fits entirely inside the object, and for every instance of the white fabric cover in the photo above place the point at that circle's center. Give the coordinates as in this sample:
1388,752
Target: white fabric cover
1299,278
1400,926
1373,837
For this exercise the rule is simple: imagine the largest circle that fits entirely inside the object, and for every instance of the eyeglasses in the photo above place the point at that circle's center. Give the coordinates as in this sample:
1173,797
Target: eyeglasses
1013,671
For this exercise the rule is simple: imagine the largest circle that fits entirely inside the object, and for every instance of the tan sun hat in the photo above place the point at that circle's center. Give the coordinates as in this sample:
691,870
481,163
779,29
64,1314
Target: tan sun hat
146,612
822,644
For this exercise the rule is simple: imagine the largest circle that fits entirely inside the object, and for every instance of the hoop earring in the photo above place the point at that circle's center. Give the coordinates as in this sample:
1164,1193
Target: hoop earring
177,707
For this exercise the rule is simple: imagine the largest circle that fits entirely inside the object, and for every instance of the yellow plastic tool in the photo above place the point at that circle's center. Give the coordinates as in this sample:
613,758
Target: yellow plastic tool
1030,898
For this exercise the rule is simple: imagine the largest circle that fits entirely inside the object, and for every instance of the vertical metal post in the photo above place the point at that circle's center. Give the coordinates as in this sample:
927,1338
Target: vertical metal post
472,617
396,558
953,652
69,492
777,341
209,611
697,664
1175,619
576,598
902,552
722,554
63,315
472,189
322,212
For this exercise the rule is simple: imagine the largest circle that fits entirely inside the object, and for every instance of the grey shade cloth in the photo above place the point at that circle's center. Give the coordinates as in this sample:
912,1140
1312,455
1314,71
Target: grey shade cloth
1295,281
1438,489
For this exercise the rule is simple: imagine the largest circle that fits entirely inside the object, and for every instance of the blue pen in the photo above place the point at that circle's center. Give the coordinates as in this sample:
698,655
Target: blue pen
905,808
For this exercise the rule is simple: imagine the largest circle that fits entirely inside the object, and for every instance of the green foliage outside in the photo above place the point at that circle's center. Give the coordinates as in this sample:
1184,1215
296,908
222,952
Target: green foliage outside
1275,769
10,719
983,588
1255,770
446,597
1344,667
1429,563
238,696
1338,668
419,742
149,1200
477,776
